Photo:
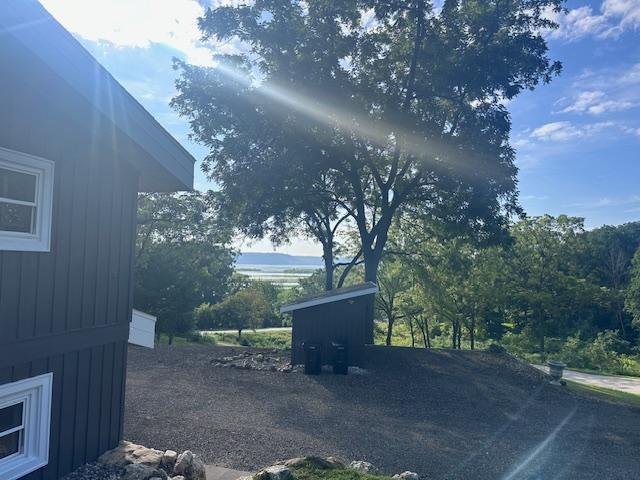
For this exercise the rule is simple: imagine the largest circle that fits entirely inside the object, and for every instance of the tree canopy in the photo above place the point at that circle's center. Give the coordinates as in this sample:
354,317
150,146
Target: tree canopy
183,258
366,108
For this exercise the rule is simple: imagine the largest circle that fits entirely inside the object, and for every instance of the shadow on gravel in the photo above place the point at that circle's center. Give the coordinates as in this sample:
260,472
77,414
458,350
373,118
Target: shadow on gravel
443,414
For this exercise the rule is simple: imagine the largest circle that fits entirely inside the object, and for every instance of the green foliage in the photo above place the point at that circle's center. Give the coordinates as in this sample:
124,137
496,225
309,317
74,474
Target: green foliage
607,353
632,300
279,340
311,471
182,259
311,119
245,309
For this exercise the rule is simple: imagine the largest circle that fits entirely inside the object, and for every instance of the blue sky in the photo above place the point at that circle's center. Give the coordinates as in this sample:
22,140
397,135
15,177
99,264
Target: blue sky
577,139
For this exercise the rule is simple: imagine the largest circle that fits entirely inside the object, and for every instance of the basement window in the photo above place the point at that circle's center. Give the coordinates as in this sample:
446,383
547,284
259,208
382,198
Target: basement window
25,417
26,197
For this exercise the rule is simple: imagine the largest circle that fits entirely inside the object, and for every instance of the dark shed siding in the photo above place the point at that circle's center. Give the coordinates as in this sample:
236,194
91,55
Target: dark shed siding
345,321
67,311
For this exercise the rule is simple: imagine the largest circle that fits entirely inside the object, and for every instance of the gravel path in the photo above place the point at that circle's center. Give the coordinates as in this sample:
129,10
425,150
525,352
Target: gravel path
443,414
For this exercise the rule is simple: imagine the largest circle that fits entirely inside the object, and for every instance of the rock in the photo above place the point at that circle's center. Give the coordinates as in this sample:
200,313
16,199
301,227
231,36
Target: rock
168,461
407,476
121,456
189,466
140,471
275,472
178,477
316,462
334,462
146,456
362,467
295,462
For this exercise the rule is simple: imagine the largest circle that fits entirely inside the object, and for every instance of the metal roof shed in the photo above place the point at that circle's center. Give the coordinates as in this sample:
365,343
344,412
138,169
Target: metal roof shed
343,315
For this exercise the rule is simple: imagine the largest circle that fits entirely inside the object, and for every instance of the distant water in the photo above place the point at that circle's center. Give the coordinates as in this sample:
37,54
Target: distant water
282,275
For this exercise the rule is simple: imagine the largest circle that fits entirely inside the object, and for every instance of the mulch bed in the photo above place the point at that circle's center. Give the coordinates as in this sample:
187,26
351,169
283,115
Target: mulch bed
443,414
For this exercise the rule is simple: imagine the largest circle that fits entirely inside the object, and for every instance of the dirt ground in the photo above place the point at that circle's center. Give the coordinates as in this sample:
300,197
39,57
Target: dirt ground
442,414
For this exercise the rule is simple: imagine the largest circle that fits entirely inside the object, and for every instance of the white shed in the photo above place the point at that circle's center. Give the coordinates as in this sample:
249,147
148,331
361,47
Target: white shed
142,329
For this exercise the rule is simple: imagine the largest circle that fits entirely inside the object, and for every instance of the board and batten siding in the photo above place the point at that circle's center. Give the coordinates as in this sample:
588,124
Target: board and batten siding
347,321
67,311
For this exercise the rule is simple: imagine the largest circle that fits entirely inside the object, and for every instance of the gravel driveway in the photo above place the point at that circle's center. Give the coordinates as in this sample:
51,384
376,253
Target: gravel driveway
443,414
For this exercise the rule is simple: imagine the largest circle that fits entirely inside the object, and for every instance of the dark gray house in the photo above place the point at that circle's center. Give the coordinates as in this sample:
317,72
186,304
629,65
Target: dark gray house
342,315
75,149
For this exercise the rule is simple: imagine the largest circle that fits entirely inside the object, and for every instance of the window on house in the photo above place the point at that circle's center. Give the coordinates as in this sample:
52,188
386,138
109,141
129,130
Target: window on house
25,416
26,194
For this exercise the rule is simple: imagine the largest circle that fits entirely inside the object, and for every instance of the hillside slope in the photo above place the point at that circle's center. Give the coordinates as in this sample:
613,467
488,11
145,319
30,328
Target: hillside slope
443,414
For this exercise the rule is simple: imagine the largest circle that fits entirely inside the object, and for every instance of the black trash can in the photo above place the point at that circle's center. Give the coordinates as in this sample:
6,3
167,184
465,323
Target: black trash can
340,358
312,358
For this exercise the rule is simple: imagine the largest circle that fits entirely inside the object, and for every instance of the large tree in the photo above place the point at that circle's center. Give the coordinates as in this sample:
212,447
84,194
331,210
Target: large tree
183,258
401,105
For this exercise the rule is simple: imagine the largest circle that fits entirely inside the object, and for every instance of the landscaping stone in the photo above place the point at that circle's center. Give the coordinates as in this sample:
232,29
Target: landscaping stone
271,361
317,462
140,471
362,467
274,472
147,456
168,461
178,477
407,476
189,466
129,453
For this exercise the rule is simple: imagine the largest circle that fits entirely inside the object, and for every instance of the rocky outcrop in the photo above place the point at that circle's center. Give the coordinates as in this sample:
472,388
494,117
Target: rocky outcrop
189,466
140,471
141,463
363,467
271,361
274,472
407,476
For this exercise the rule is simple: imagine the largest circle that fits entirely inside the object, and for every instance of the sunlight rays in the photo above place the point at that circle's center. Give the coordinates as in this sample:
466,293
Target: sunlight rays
535,453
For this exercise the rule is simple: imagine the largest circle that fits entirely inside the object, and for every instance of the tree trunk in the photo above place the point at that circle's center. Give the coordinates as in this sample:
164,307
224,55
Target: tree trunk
472,333
239,333
171,339
421,325
389,330
327,256
413,336
454,335
371,264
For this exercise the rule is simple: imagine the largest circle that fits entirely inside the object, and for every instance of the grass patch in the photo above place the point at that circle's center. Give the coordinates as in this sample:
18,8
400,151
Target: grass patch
163,339
606,394
311,470
277,340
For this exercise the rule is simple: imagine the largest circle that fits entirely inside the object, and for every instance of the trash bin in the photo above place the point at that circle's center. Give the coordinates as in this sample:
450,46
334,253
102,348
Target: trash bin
312,358
340,358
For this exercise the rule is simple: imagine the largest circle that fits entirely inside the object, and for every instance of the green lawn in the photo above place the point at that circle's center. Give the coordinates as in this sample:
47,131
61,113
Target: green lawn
601,393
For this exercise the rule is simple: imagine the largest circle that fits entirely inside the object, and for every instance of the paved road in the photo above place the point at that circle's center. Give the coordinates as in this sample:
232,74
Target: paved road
258,330
624,384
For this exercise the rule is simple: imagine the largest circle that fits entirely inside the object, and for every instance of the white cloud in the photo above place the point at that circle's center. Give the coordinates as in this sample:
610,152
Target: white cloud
136,23
604,91
564,131
596,102
556,131
614,18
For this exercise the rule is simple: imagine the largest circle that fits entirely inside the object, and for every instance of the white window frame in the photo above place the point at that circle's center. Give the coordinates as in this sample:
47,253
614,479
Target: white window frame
43,169
35,392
